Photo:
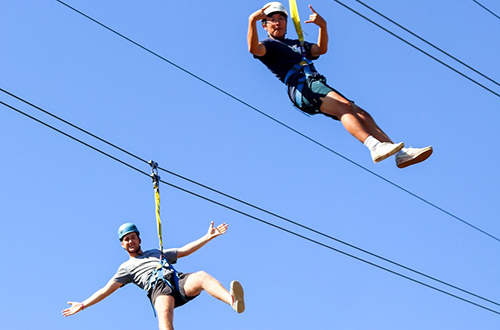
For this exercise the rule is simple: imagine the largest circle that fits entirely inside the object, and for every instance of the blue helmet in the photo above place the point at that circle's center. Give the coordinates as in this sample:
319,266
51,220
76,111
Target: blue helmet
127,228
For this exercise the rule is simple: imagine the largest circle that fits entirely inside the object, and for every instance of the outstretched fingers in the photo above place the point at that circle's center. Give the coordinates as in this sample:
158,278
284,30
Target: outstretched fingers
222,228
75,308
217,231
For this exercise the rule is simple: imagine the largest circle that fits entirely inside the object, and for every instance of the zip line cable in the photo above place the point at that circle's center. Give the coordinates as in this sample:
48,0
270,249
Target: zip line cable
251,205
248,204
283,124
417,48
342,4
428,43
251,216
484,7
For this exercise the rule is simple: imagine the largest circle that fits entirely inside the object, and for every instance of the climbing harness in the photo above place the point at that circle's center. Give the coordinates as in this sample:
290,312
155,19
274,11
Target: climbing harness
164,267
304,65
159,274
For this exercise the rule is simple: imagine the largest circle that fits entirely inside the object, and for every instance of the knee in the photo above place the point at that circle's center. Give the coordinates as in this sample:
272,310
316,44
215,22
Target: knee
201,277
361,112
347,108
344,103
337,107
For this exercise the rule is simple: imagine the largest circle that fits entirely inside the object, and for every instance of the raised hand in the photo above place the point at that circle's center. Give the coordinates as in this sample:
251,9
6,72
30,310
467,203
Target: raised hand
259,14
316,18
75,308
217,231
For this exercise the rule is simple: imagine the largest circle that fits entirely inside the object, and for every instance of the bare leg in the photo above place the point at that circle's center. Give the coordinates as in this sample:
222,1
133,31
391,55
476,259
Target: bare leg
372,127
356,121
200,281
164,306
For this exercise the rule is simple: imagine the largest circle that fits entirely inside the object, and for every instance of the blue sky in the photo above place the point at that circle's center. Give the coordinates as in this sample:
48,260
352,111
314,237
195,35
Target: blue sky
61,202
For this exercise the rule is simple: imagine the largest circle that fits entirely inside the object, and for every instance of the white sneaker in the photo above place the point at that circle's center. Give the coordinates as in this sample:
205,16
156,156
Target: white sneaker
410,156
236,292
385,149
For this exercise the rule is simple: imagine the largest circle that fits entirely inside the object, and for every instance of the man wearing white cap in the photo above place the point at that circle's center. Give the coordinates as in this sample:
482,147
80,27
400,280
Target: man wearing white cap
292,63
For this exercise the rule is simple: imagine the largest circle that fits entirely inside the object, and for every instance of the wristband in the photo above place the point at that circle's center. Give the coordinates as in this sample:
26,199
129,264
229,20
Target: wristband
83,306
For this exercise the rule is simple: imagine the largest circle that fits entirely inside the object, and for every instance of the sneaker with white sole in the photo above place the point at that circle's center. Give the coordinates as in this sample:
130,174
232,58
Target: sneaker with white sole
236,292
385,149
411,156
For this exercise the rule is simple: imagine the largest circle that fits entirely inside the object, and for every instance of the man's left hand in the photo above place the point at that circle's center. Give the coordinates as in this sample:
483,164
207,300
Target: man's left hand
216,231
316,18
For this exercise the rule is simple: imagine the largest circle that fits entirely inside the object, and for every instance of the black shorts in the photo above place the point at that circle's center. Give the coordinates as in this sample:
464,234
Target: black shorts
163,289
306,96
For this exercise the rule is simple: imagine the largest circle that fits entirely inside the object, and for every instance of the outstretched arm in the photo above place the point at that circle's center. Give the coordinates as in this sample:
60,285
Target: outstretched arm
254,46
322,46
196,245
94,299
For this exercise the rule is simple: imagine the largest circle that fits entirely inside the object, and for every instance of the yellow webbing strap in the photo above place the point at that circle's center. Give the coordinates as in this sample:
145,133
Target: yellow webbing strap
156,181
294,13
158,220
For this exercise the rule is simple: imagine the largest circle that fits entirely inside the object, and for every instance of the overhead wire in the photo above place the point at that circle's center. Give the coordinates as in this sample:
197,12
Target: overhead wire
249,215
234,198
487,9
417,48
428,42
281,123
342,4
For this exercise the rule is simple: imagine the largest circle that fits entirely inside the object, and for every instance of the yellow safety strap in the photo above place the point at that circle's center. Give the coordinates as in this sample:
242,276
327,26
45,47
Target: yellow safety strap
294,12
156,180
158,220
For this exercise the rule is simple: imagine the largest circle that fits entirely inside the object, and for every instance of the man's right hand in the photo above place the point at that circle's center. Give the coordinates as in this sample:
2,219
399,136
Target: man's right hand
75,308
259,14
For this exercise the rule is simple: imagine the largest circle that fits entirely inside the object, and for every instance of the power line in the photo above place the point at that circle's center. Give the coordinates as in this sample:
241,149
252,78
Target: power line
415,47
428,43
251,216
246,203
283,124
339,2
488,10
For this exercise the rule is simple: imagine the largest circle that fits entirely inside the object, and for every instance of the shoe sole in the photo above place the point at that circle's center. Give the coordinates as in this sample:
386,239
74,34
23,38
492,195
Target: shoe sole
398,147
237,293
424,154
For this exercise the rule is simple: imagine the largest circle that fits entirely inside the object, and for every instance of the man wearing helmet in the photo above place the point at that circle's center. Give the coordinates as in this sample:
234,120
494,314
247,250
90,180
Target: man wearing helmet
170,290
308,90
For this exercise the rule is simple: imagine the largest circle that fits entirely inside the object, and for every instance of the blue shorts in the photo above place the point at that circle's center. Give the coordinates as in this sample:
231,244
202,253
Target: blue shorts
306,93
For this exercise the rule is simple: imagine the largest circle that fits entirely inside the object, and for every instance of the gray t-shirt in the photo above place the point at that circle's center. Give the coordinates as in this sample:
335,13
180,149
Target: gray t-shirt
138,270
